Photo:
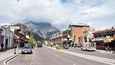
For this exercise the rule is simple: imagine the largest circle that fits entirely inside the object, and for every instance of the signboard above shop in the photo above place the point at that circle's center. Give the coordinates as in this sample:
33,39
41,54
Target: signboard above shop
108,39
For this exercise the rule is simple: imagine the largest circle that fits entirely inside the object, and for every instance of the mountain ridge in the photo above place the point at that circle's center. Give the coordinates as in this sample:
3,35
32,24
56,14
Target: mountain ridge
43,29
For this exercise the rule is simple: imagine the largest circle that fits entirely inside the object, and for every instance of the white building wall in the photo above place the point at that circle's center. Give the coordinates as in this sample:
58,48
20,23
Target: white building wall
4,36
7,37
10,38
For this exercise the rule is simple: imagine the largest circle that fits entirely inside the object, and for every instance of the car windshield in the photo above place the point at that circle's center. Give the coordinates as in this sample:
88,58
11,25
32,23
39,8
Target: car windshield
27,47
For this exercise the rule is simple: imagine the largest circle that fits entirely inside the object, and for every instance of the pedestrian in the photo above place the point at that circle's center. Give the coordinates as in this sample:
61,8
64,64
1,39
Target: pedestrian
108,47
2,46
15,49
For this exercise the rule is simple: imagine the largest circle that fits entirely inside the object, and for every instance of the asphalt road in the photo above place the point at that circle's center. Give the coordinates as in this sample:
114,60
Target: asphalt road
95,53
47,56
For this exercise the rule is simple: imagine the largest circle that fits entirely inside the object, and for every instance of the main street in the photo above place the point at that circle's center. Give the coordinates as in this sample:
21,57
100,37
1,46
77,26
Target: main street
100,53
48,56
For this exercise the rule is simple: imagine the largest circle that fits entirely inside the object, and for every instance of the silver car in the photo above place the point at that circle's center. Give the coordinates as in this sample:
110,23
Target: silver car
26,49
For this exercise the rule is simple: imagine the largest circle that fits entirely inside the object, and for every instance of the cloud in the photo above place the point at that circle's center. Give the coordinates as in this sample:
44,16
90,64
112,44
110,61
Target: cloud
60,13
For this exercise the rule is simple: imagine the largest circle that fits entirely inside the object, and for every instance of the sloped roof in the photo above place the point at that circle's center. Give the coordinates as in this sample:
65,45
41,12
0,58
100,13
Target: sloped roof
79,26
107,30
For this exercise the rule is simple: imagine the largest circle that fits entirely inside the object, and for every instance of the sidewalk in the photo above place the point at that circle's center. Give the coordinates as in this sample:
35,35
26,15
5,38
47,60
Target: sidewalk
5,54
104,51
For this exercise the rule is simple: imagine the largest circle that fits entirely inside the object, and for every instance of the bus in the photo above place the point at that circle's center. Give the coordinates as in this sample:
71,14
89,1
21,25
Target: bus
39,44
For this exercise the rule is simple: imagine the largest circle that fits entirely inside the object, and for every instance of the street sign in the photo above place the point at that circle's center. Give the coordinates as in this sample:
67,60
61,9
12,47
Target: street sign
108,39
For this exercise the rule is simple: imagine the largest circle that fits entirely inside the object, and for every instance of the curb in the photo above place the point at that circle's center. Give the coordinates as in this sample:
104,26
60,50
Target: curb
103,51
5,61
61,50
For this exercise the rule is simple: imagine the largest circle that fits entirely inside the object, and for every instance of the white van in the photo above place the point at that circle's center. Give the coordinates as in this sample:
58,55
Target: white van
88,43
88,46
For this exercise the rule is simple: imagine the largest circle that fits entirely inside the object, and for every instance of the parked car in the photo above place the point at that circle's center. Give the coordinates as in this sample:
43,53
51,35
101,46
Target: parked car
66,46
88,46
26,49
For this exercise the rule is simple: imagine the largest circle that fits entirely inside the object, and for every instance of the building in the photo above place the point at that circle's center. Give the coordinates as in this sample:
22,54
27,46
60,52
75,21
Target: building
71,36
57,38
76,32
105,38
87,40
6,37
12,34
13,28
65,36
1,39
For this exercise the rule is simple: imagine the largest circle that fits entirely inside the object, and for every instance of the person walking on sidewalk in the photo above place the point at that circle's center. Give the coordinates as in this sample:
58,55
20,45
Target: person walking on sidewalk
15,49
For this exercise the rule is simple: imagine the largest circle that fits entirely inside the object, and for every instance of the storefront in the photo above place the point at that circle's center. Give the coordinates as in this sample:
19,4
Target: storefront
105,39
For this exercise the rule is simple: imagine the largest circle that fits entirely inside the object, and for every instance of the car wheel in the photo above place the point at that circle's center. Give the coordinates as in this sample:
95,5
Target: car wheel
22,52
31,52
82,49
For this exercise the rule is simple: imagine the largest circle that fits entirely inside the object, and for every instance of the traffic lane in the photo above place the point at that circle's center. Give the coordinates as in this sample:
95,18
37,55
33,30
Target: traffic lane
48,56
23,59
95,53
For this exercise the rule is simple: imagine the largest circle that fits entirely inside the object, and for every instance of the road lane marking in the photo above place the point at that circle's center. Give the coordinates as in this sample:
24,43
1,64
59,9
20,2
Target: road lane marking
64,58
11,60
33,57
56,55
90,57
74,64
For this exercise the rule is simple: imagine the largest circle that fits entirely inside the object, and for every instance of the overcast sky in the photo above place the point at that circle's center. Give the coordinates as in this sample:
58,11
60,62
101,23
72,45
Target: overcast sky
100,14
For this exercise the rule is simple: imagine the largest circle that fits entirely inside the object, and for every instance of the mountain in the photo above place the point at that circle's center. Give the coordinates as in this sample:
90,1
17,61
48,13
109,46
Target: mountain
42,29
22,26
